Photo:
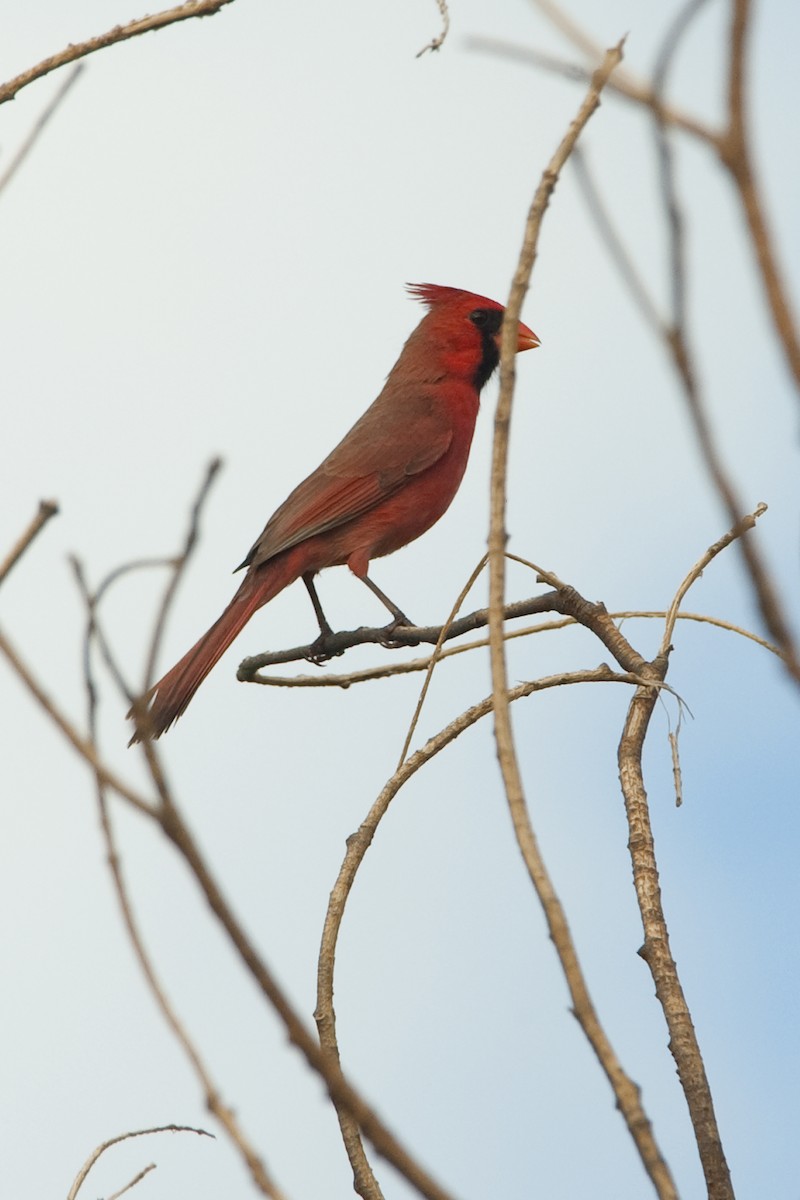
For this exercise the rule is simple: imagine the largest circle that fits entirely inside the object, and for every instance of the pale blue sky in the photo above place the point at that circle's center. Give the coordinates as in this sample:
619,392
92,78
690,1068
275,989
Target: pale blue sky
205,254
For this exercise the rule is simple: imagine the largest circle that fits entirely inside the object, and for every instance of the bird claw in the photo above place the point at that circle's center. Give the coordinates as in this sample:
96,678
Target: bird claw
319,652
401,621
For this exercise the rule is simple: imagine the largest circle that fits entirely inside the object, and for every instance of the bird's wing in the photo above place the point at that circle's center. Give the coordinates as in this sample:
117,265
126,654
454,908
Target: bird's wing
391,443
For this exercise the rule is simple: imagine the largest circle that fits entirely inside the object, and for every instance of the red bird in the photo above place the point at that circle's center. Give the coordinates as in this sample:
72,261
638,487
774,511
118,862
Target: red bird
388,481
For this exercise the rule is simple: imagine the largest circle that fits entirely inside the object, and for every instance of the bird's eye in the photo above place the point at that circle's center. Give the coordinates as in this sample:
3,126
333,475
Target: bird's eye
479,318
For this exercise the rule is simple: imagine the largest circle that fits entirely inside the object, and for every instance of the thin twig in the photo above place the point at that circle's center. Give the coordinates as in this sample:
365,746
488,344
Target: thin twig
79,1179
47,509
212,470
133,1182
120,33
24,150
437,655
81,744
139,711
614,244
711,553
357,845
437,42
623,84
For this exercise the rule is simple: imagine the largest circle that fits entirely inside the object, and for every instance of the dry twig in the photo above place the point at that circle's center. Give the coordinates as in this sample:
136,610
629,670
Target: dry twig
24,150
80,1178
214,1102
625,1090
359,842
656,949
437,42
47,509
120,33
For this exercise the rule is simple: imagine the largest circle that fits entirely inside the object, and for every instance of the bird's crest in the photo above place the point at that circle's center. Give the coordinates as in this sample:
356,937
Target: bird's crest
432,295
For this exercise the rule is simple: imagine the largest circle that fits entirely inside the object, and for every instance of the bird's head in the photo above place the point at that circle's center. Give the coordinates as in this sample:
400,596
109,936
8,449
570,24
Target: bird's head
467,327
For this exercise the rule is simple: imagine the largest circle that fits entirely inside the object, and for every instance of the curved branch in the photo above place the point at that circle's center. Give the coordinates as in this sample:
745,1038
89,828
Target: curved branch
357,845
120,33
80,1178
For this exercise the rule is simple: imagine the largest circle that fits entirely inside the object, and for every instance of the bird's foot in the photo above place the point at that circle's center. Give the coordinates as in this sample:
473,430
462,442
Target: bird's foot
323,649
401,621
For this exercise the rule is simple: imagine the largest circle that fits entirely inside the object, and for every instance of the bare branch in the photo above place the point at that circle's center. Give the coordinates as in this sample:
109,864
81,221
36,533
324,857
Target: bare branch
334,645
736,155
623,84
731,147
409,666
85,748
214,1102
47,509
437,42
30,141
656,950
437,654
79,1179
340,1090
711,553
139,711
357,845
132,1184
120,33
625,1090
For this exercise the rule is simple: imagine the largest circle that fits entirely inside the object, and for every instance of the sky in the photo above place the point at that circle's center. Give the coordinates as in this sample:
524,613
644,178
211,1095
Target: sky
205,255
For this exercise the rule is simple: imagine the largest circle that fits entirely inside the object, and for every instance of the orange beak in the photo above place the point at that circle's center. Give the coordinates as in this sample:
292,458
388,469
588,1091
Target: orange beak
526,339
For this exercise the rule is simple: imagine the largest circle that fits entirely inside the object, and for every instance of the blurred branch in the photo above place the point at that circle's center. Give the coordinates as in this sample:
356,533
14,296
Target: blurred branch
47,509
730,145
29,142
623,83
84,747
672,332
133,1182
120,33
139,711
342,1093
80,1178
214,1102
734,150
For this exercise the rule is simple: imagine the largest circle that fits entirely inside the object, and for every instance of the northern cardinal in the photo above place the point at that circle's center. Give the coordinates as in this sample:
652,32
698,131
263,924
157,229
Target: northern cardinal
388,481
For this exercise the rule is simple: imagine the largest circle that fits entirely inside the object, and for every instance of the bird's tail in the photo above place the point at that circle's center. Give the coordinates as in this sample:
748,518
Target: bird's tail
169,698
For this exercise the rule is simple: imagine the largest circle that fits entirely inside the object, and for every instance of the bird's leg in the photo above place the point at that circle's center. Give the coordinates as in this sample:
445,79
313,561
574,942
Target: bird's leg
319,653
400,617
322,620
